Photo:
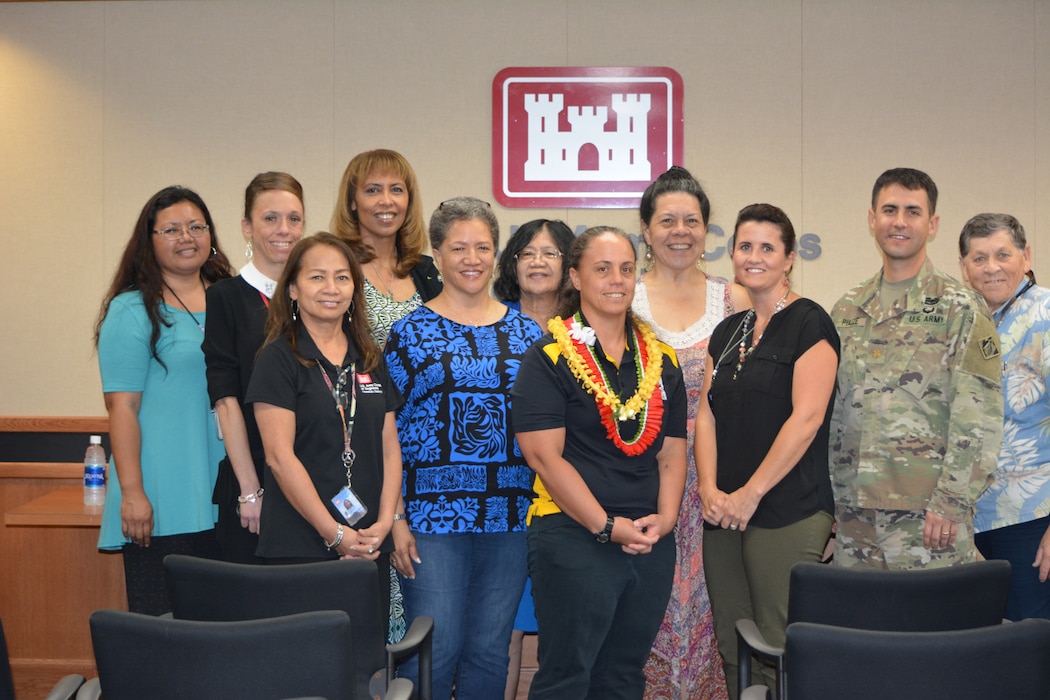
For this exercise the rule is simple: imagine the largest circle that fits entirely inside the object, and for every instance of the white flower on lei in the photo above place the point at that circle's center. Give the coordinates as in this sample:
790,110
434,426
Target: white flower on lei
582,334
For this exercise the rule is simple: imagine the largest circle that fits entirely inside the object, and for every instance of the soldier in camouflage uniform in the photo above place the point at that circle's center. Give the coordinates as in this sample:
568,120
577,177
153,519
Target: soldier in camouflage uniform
917,422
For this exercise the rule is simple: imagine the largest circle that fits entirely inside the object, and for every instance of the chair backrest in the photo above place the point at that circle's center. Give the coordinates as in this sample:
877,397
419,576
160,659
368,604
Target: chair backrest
141,656
204,589
1004,661
925,600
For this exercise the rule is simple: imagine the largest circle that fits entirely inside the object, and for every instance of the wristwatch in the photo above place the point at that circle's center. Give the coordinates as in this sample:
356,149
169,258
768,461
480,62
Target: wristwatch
606,531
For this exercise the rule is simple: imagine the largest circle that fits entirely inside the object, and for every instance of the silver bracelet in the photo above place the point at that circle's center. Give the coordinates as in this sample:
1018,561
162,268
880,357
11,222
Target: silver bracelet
338,538
251,497
399,516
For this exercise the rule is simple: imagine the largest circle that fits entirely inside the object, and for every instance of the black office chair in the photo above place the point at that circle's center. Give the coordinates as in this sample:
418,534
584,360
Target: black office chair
204,589
141,656
65,689
1004,661
925,600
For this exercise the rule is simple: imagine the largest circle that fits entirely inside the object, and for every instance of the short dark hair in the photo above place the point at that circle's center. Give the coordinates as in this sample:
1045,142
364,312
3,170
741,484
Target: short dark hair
909,179
507,286
984,225
770,214
677,179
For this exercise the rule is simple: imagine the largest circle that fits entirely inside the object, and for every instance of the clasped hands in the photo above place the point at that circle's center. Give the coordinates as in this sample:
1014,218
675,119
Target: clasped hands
361,544
729,511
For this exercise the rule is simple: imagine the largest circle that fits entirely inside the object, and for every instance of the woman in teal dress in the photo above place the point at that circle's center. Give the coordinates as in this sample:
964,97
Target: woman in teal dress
165,443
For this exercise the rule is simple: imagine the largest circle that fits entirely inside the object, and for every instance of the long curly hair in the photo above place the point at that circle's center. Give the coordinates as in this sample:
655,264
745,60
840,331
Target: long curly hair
139,269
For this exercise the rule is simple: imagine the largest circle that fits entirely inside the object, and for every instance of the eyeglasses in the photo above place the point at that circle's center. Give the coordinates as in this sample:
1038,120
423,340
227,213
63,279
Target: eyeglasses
527,256
174,233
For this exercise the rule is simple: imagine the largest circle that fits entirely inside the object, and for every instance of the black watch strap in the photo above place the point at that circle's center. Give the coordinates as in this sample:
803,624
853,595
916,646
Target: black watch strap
606,532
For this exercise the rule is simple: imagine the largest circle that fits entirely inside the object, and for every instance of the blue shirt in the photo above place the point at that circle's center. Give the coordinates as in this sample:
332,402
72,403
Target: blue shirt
463,470
1020,491
181,449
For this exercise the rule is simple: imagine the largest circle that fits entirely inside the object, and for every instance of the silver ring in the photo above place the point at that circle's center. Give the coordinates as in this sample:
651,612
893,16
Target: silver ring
946,533
732,527
370,549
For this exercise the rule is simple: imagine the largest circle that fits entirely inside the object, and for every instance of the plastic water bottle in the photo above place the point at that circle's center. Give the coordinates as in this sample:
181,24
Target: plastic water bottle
95,473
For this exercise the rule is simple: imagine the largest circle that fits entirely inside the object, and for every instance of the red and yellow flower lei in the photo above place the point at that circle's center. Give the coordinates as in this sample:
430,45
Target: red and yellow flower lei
575,343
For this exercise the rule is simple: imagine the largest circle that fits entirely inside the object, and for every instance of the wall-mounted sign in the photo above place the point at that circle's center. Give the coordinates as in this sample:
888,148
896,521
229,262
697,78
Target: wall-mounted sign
583,137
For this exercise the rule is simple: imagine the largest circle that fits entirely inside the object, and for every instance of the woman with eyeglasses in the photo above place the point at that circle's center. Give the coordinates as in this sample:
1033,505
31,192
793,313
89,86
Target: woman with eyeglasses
325,407
531,277
461,547
163,435
272,225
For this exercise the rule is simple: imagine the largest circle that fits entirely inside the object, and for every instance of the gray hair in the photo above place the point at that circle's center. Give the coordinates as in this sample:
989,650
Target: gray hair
985,225
461,209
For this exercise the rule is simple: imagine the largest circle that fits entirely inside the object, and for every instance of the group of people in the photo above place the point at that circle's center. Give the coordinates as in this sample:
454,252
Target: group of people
626,457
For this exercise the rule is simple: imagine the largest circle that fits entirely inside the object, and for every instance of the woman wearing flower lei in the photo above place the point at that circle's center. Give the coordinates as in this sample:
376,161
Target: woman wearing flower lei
599,408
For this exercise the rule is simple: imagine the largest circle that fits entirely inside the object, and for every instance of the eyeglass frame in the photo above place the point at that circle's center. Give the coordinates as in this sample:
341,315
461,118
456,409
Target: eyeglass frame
549,254
169,233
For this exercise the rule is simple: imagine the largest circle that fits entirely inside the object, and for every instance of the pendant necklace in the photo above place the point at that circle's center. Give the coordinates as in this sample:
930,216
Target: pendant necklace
389,292
744,348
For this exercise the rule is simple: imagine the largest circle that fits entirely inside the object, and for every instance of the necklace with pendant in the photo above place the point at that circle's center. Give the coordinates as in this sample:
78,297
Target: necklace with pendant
389,294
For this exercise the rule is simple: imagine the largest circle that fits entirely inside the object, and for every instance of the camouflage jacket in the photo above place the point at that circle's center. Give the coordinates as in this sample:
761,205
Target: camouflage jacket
918,417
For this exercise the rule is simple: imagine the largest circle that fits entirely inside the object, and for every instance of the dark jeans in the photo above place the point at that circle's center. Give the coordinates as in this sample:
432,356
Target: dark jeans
1017,544
598,610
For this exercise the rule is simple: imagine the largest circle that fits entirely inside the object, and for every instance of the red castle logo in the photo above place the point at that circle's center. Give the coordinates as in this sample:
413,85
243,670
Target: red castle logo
583,137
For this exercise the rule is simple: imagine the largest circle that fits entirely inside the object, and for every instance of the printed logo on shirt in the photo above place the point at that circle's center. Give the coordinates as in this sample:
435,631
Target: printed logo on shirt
925,318
366,385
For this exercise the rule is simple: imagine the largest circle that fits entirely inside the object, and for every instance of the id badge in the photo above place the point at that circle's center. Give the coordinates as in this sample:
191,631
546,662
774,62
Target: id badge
351,507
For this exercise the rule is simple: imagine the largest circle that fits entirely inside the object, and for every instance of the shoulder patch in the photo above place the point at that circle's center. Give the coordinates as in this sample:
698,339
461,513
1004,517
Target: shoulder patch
989,347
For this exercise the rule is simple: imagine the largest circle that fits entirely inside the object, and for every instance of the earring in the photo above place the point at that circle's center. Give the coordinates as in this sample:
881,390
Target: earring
248,251
214,252
295,310
648,256
701,263
350,310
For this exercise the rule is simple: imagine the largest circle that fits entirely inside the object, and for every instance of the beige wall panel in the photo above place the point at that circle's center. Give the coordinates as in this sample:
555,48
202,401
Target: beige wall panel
945,87
797,102
1038,227
51,192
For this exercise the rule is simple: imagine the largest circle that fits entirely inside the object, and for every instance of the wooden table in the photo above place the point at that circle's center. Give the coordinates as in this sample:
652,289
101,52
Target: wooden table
63,507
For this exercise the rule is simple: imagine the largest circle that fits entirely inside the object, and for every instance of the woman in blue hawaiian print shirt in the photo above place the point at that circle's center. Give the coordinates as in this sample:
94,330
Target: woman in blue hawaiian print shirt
461,547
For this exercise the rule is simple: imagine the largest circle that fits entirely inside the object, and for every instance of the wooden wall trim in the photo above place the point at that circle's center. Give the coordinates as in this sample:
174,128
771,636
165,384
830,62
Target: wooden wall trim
54,424
41,470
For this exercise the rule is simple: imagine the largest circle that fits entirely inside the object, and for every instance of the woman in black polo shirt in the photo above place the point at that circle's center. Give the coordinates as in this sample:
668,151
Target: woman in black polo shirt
325,408
600,413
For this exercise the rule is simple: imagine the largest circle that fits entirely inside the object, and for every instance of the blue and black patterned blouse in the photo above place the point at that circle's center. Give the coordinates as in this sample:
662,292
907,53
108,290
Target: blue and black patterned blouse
463,471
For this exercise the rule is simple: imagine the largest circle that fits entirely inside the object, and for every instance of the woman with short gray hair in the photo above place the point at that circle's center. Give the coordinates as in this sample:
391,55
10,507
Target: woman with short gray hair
460,543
